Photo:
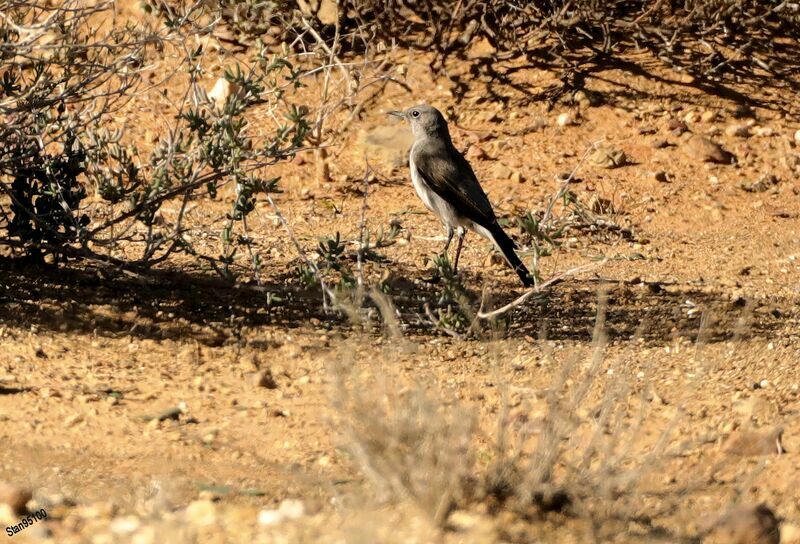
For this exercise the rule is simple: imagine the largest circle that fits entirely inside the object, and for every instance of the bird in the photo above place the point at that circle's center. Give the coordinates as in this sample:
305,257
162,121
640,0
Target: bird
447,185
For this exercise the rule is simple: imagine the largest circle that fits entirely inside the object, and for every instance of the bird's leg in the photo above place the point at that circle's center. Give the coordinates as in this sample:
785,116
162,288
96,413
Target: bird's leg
450,233
461,234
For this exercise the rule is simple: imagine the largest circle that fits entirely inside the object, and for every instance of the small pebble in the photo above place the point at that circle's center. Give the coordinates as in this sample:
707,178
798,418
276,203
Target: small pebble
661,176
708,116
264,378
739,131
501,171
14,496
702,149
476,153
222,90
202,513
566,119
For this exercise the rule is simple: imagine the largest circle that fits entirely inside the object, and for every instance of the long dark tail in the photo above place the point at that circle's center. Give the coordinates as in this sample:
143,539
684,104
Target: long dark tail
507,246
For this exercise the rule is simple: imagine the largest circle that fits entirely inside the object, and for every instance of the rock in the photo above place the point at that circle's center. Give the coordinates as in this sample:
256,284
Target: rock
46,392
797,137
7,515
790,533
702,149
691,117
740,111
463,521
708,116
146,536
501,171
748,443
150,137
661,176
659,143
763,132
328,12
168,413
492,117
516,177
791,162
125,525
264,378
325,10
222,90
566,119
292,508
269,517
493,259
289,509
72,420
746,525
538,124
676,127
608,157
16,497
739,131
390,144
202,513
763,184
476,152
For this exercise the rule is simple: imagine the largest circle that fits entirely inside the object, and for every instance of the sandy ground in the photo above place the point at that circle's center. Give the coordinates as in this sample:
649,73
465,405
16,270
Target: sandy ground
699,298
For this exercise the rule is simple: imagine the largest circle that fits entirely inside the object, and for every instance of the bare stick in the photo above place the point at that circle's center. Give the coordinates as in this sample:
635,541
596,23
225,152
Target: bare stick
538,289
362,245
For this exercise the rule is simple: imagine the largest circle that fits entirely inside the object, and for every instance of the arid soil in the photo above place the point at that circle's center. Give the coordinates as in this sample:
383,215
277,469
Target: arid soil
174,407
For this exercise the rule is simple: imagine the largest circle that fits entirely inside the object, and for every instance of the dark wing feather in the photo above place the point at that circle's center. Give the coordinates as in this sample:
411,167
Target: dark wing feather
454,181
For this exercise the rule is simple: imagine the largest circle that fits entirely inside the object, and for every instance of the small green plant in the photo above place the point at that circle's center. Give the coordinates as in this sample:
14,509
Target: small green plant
45,197
451,312
332,253
383,238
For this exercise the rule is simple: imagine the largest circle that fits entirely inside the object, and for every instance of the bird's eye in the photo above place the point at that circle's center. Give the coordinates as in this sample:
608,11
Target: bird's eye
415,113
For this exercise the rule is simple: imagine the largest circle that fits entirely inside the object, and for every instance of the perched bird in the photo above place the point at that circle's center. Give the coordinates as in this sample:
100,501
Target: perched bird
445,182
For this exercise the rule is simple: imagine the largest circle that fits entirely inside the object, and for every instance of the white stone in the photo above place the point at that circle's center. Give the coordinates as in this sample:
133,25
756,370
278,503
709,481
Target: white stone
202,513
292,508
146,536
790,533
125,525
222,90
708,116
565,119
270,517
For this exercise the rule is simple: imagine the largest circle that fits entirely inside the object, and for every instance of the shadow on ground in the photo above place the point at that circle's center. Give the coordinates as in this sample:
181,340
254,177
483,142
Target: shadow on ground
500,85
178,305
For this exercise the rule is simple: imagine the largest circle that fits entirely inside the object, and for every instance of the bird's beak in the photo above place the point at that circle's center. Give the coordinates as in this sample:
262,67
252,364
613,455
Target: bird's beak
398,114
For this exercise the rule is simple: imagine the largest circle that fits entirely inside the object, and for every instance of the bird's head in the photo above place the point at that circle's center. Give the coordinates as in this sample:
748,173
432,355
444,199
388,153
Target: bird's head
425,120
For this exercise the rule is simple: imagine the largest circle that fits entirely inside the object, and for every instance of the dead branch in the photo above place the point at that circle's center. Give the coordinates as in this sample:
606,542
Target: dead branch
538,289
